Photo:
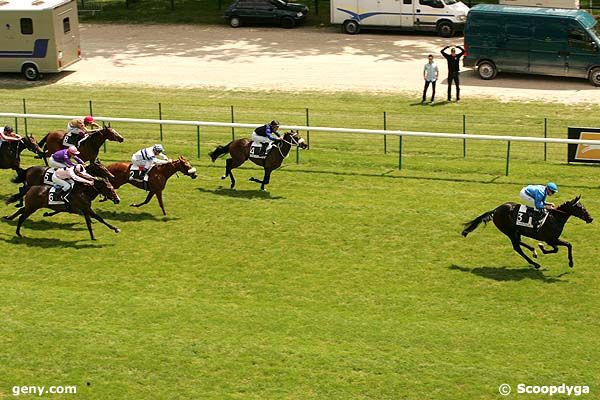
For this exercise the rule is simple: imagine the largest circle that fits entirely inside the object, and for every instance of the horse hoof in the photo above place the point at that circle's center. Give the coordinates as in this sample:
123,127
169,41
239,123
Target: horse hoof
535,254
117,230
571,265
223,177
536,266
132,205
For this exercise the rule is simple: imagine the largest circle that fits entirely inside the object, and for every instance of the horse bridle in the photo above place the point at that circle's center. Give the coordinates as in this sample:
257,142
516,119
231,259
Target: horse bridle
294,143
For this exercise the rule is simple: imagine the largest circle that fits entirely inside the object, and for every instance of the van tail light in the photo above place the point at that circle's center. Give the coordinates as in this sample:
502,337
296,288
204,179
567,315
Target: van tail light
59,63
466,47
78,52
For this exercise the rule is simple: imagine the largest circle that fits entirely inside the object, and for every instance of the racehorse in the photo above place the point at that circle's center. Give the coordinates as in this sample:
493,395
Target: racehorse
10,152
88,148
81,203
157,177
239,150
35,176
505,218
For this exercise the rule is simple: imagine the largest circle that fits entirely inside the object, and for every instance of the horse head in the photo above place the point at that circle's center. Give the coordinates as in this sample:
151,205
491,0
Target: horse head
111,134
293,137
107,190
96,168
575,208
186,168
30,144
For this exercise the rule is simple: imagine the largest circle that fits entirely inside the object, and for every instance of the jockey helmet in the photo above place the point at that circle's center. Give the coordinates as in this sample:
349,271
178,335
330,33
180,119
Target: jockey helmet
8,129
158,148
88,119
274,123
72,150
551,186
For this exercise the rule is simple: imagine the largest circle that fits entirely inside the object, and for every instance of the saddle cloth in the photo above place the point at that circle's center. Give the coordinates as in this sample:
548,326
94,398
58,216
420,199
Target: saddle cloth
137,174
53,199
48,174
525,216
256,147
73,139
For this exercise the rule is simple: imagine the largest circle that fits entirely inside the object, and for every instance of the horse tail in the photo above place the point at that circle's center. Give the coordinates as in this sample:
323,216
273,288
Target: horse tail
219,151
472,225
21,176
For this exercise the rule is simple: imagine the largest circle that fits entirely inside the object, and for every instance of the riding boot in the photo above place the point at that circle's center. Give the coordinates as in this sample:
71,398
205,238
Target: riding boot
263,149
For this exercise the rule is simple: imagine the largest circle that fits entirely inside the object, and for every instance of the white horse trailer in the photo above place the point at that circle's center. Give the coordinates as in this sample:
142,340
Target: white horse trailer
38,36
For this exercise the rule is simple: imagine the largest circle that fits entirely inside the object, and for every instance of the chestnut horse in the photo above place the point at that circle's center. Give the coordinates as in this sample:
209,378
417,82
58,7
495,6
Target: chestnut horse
89,148
239,150
33,176
10,152
157,177
81,203
505,218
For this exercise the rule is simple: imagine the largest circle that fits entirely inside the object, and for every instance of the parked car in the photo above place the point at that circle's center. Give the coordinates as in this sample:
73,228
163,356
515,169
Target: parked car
272,12
530,40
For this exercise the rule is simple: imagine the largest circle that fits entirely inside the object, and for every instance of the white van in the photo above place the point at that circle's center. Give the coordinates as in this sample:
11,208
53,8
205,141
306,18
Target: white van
445,17
38,36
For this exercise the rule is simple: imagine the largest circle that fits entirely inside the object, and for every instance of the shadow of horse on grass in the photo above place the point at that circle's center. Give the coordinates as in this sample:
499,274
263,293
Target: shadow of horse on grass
243,194
52,243
504,274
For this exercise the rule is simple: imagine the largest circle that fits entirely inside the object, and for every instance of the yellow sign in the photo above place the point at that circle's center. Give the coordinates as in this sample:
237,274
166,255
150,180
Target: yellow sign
589,152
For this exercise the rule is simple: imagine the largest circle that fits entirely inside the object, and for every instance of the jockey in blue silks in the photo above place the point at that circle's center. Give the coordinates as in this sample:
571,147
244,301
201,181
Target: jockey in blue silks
266,134
535,195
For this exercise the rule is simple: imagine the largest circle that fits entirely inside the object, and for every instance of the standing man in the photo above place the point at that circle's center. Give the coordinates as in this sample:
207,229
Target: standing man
430,74
453,69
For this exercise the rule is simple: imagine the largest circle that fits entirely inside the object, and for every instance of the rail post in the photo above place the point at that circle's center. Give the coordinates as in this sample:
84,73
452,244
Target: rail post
400,152
507,156
307,132
160,117
545,137
25,112
198,140
384,136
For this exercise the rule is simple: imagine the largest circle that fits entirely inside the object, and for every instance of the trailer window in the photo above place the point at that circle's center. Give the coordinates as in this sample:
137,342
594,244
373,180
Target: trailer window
432,3
66,25
26,26
407,1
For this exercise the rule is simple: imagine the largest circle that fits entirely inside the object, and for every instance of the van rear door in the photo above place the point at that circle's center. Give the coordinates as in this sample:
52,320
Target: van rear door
548,54
408,16
67,34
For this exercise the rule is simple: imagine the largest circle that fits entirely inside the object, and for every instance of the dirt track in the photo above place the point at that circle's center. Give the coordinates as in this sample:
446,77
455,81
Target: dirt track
299,59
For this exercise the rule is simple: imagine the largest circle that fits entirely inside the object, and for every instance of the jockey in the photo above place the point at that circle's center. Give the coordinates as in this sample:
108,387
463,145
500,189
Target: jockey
63,179
8,135
75,127
266,134
536,195
146,158
62,158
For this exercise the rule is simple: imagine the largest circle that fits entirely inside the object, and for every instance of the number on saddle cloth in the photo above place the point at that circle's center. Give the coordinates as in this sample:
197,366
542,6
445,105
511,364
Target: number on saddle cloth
57,196
48,176
256,149
71,139
136,174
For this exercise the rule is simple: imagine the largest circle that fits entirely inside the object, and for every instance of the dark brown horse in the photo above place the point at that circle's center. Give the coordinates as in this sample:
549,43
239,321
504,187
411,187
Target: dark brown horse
81,203
157,177
10,152
89,148
239,150
33,176
505,217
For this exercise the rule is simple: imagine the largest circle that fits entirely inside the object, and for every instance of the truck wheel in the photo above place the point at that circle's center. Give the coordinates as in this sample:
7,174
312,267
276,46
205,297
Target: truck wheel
445,29
487,70
595,76
30,72
234,22
351,27
287,22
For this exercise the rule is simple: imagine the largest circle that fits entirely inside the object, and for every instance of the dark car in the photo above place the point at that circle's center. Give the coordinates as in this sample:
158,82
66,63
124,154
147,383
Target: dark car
273,12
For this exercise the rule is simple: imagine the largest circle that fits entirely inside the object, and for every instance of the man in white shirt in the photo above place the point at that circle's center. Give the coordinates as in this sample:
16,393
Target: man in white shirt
430,74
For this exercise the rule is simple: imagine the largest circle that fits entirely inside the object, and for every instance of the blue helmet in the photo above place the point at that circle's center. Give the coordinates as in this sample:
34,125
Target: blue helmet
158,148
552,187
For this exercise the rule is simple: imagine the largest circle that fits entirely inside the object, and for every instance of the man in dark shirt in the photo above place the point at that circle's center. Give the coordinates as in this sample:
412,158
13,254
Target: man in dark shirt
453,69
